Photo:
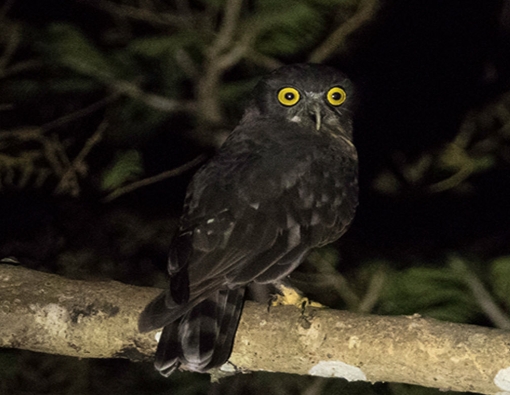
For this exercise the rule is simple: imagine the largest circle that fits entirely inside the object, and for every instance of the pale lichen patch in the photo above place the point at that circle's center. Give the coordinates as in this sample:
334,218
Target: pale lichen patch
337,369
502,379
53,317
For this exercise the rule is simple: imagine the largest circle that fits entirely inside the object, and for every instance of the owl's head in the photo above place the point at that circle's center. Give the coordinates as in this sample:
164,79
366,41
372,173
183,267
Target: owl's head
316,97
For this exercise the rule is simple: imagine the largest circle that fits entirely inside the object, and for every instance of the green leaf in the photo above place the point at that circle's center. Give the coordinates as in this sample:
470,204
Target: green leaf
288,29
235,95
500,278
327,255
432,292
70,48
135,120
127,166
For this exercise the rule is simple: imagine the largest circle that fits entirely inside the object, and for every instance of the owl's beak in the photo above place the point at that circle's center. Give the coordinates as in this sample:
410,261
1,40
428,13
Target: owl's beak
316,115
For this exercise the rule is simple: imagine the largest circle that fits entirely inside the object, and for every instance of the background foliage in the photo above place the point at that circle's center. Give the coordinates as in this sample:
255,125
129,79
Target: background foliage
108,106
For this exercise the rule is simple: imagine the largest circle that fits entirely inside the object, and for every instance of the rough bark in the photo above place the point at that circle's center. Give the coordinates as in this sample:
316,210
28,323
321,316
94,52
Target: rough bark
47,313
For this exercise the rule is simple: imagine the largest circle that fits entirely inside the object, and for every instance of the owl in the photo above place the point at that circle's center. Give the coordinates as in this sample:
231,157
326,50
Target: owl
284,182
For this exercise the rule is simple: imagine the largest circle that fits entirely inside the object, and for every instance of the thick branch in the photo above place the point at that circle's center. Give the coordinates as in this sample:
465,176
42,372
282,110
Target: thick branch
47,313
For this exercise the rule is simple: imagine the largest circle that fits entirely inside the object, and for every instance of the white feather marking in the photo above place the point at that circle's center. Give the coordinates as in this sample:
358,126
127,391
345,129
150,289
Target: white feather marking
294,236
316,219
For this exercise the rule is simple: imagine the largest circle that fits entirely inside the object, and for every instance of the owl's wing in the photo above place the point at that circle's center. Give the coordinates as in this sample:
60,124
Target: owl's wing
232,231
251,214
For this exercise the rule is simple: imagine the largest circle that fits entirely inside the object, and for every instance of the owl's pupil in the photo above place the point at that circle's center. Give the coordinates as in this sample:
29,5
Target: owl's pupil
289,96
335,96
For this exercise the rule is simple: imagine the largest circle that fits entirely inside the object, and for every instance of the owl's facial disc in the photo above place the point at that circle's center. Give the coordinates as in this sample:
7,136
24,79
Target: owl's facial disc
317,108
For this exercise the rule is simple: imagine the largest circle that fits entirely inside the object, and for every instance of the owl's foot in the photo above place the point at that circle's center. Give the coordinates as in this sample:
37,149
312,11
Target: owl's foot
291,296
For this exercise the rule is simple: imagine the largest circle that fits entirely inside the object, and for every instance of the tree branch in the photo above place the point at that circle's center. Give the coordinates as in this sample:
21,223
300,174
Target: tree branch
157,178
47,313
69,183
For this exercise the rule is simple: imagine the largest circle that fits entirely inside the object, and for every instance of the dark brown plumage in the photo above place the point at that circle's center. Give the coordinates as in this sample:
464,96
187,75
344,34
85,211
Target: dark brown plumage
284,182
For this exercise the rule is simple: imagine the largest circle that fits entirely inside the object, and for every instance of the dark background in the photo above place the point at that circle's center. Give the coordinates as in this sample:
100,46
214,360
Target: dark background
97,95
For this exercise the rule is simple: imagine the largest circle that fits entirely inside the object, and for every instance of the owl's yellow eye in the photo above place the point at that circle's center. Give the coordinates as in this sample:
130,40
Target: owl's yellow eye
336,96
288,96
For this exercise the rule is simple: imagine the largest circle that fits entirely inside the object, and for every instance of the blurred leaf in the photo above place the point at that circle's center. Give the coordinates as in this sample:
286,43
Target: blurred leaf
289,27
75,85
213,4
432,292
325,256
160,46
135,121
333,3
387,183
456,159
500,276
237,94
157,56
69,47
22,89
127,166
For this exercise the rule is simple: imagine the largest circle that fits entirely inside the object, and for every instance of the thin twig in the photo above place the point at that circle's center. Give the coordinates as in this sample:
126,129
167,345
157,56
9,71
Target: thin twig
139,14
158,102
265,61
78,114
207,86
5,8
238,51
228,27
157,178
13,42
364,13
55,154
91,142
70,176
185,13
19,67
482,296
54,150
186,63
371,297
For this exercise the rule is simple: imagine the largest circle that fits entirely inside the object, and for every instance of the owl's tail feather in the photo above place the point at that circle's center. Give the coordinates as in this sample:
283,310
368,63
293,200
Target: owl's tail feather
202,339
